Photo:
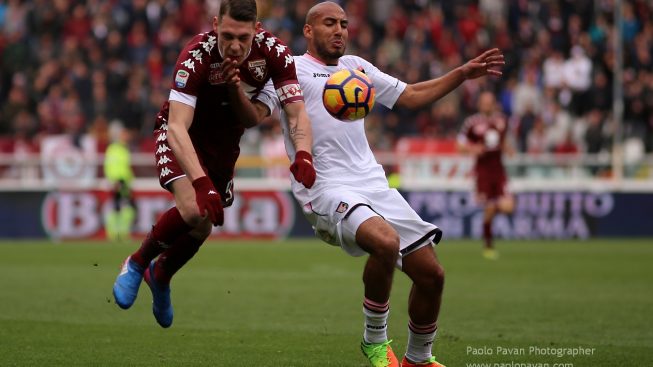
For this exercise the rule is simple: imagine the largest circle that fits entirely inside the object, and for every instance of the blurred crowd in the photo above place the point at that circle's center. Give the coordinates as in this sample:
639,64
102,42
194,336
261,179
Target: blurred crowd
73,67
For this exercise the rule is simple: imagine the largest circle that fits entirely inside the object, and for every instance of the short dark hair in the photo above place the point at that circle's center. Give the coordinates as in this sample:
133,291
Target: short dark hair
240,10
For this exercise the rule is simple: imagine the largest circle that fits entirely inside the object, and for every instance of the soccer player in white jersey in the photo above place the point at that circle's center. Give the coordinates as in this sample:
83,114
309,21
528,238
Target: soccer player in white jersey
351,205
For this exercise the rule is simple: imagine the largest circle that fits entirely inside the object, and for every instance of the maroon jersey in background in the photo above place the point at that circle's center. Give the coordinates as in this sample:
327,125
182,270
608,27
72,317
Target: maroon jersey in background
489,170
216,130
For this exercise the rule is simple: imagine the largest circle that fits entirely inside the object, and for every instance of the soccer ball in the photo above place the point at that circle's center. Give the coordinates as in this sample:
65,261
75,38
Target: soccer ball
348,95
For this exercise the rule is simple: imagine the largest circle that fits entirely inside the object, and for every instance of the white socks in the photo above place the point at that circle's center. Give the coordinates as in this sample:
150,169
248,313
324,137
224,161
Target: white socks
420,341
376,321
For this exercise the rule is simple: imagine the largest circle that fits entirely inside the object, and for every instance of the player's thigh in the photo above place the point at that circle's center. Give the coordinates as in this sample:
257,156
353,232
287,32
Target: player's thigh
374,235
422,266
336,215
413,231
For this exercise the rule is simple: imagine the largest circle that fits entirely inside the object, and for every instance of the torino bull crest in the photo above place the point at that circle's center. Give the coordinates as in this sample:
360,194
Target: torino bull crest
348,95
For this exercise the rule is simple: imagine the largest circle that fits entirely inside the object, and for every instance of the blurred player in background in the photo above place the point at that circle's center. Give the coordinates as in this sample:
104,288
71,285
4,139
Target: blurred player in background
214,97
351,205
483,135
118,171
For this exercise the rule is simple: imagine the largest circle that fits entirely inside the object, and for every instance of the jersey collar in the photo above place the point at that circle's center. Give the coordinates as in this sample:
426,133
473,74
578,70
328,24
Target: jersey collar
308,55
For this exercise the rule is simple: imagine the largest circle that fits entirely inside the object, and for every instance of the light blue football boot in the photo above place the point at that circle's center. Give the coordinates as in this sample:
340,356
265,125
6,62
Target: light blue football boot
161,304
125,288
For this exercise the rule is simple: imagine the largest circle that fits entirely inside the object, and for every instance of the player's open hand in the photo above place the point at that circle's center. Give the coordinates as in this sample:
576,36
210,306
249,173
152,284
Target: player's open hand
485,64
230,72
302,169
208,200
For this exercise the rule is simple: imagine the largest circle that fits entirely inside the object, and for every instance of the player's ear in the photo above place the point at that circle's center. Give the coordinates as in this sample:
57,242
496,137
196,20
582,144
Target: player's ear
215,24
258,25
308,31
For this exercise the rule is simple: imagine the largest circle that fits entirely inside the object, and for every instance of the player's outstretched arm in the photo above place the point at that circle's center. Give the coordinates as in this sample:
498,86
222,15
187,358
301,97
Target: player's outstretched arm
248,114
299,126
299,129
422,94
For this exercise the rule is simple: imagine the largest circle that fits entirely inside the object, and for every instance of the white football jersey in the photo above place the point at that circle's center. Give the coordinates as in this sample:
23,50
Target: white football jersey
341,153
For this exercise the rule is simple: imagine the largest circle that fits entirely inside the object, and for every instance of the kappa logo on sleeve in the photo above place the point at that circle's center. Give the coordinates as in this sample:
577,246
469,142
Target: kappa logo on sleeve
181,78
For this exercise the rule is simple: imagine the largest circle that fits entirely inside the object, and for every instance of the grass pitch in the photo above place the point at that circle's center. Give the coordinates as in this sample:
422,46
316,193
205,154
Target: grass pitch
298,303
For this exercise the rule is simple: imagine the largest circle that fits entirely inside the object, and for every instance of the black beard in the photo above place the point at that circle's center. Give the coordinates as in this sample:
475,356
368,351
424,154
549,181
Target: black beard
324,53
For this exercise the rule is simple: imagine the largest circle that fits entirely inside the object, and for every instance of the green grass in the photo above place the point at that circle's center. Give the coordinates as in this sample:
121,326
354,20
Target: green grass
298,303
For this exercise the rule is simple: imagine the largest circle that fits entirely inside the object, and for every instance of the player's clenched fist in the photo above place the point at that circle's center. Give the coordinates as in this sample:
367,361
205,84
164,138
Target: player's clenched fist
208,200
302,169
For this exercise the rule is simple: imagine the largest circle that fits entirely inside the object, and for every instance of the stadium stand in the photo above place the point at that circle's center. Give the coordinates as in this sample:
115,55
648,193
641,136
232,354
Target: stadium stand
71,67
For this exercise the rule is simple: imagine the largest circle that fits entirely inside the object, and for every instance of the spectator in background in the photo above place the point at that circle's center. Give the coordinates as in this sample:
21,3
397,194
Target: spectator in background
577,76
551,68
594,136
567,146
525,124
600,94
42,40
527,96
537,141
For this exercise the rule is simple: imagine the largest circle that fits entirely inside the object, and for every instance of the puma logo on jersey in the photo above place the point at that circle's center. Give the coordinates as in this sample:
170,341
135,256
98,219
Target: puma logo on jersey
211,192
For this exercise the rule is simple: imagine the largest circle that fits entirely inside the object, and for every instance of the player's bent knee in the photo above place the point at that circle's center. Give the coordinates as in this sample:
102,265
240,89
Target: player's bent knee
507,205
202,230
191,213
387,248
433,279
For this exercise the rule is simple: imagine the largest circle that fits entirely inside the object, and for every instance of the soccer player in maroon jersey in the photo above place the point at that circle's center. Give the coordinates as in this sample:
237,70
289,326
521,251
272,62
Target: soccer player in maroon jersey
483,135
216,94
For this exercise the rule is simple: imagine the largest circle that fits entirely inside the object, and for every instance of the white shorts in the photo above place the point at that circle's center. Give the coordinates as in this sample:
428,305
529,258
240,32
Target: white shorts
338,212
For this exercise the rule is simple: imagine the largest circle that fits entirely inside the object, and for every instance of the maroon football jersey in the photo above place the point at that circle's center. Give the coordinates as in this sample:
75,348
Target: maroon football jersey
216,131
491,132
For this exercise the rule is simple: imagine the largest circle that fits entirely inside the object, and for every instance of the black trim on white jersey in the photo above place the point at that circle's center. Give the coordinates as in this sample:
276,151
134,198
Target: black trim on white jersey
357,206
437,233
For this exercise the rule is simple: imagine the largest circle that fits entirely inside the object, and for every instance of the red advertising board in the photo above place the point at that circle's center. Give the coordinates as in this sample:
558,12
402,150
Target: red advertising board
80,214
